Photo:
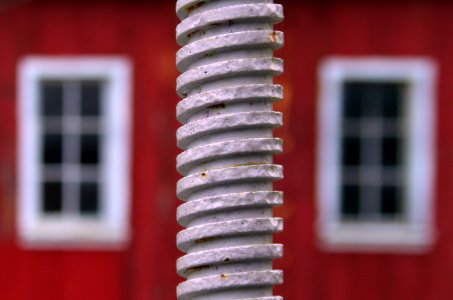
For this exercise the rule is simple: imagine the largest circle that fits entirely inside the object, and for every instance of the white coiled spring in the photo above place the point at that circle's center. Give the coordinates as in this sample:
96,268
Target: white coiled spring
228,94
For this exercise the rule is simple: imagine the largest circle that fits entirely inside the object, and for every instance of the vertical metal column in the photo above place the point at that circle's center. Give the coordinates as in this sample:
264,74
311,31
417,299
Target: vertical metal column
228,91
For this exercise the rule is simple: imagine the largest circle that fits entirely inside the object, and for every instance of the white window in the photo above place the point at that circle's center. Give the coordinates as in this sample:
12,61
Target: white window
376,154
73,124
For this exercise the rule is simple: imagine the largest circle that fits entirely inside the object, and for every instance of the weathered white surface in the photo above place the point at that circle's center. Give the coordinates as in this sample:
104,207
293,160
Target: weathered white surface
269,13
227,256
210,46
206,156
228,92
187,81
192,7
229,202
232,122
220,98
225,281
227,176
228,228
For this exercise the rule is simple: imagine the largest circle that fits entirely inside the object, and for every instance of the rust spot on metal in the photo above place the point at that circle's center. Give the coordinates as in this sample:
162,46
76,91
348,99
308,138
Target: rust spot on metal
217,106
197,269
223,276
195,6
226,259
204,175
274,37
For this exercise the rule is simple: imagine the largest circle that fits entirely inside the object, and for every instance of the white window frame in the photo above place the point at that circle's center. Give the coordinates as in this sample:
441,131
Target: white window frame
416,233
111,229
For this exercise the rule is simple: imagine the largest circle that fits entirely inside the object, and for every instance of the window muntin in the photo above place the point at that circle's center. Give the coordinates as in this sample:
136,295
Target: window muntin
376,154
372,138
74,151
71,114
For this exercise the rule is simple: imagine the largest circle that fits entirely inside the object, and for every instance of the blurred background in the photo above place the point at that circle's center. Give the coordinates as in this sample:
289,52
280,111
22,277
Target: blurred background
87,150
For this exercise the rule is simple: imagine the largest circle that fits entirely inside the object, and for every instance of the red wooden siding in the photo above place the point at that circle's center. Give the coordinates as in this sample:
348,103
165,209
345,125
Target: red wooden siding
144,31
397,28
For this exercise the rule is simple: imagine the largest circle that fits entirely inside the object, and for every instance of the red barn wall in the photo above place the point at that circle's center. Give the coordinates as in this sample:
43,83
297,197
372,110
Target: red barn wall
353,28
144,31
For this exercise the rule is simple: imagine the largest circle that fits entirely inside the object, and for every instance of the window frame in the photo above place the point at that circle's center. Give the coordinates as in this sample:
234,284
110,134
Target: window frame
111,229
416,233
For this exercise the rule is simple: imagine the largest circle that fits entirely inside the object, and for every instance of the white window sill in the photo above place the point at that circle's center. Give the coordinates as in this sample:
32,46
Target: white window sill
375,237
75,234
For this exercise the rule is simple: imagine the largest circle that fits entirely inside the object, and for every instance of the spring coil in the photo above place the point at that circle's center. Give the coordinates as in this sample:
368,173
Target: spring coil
227,116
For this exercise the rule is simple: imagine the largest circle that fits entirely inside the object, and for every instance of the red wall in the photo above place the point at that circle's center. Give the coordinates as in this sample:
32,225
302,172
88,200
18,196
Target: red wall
397,28
144,31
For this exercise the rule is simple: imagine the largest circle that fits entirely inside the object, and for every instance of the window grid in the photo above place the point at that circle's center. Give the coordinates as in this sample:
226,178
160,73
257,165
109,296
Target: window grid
70,172
366,125
104,224
414,232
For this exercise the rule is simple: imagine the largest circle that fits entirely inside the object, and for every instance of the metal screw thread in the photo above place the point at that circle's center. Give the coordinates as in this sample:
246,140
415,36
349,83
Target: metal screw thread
226,111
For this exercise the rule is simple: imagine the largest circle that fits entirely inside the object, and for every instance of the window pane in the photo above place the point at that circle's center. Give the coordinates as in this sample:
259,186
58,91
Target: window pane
90,98
89,198
52,98
372,95
391,154
391,200
89,152
52,151
51,197
393,100
351,151
373,99
352,101
376,109
350,201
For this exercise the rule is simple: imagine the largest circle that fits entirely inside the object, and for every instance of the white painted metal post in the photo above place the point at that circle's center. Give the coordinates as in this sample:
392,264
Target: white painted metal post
228,91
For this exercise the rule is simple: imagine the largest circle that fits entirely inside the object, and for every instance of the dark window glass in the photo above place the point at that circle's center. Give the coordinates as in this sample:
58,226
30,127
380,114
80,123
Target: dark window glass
372,140
89,198
89,152
90,98
352,101
52,98
372,99
63,144
393,101
51,197
391,200
372,95
52,151
351,151
350,201
391,152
